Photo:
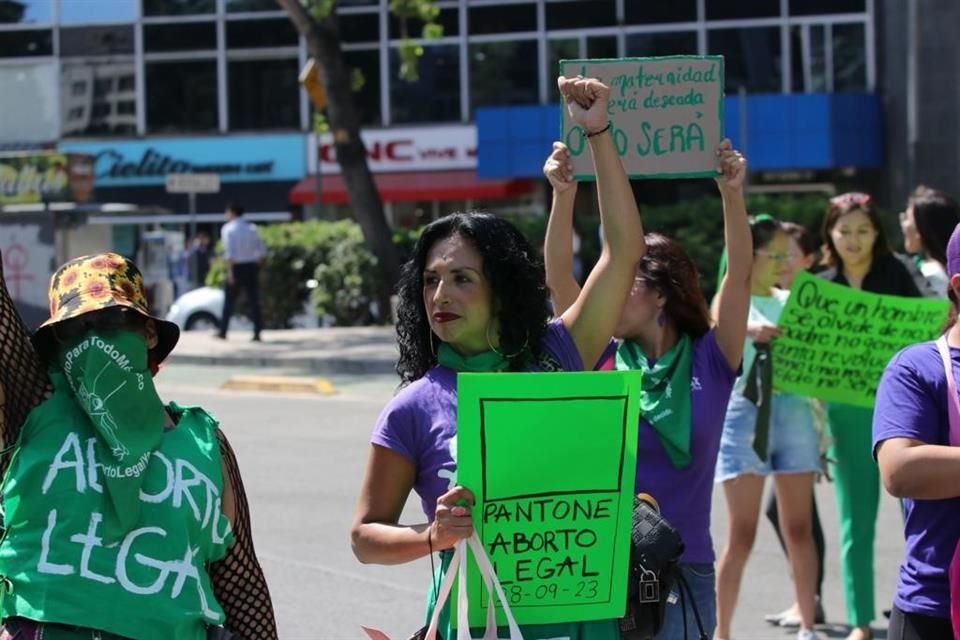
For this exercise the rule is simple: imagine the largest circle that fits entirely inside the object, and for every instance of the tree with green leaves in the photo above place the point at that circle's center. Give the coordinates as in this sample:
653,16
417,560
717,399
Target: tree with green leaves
316,21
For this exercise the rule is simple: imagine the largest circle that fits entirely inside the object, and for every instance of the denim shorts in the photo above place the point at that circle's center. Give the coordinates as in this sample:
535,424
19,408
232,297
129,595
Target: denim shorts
793,444
679,621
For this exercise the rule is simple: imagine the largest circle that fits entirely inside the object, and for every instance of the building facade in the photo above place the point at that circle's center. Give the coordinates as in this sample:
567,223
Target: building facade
156,86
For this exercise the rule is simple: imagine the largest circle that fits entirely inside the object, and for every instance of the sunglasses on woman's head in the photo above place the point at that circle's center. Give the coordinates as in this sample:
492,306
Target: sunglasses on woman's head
110,319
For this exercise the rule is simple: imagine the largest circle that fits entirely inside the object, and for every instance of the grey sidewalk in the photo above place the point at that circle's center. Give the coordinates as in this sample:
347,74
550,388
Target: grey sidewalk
347,350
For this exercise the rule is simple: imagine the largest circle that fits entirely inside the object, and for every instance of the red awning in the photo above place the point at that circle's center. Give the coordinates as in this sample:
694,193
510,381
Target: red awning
415,186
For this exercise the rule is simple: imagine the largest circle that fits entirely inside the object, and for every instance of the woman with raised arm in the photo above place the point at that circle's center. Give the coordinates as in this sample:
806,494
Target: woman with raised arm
688,367
473,298
124,517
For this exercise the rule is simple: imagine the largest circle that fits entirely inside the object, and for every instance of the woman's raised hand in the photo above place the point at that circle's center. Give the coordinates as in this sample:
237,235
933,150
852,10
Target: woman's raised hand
586,100
558,169
732,166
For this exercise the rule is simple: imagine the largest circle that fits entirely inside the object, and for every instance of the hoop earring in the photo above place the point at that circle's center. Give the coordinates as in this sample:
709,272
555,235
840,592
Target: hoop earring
526,343
433,350
661,319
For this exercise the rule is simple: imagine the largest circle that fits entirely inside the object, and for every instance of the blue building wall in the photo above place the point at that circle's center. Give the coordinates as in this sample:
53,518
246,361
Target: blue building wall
784,132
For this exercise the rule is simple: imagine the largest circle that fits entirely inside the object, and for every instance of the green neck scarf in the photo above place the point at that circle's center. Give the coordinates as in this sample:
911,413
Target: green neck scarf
665,394
485,362
108,373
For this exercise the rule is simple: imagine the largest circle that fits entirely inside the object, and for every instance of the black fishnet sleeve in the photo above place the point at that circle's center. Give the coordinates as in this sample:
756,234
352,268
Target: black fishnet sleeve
238,581
23,381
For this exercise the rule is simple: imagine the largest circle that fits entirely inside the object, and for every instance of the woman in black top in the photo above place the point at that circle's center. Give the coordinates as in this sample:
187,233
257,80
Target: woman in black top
859,257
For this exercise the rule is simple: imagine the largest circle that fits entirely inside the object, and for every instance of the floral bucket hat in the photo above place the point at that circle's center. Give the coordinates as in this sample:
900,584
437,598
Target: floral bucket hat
103,281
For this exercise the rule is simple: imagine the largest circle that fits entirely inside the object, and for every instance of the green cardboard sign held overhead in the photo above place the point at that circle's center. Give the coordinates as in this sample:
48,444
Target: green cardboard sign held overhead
837,340
551,460
666,115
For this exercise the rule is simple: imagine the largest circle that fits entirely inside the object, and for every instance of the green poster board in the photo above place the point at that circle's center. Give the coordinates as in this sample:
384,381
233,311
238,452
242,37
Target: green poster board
551,459
666,115
837,340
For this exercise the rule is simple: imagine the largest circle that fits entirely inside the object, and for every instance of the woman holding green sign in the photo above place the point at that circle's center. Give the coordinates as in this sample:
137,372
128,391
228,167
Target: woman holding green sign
473,298
688,368
859,257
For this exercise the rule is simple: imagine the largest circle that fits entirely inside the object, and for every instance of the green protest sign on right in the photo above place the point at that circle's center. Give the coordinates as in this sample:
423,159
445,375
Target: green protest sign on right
837,340
666,115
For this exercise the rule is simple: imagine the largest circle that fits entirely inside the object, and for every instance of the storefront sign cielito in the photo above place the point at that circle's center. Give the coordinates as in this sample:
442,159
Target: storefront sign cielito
32,177
131,163
405,149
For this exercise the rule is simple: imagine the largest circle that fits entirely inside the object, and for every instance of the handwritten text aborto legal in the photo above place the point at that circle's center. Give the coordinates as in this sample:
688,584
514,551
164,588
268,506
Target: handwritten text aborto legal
551,461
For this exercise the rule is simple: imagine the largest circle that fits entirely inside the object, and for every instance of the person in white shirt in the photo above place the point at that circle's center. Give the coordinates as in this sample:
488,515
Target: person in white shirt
244,251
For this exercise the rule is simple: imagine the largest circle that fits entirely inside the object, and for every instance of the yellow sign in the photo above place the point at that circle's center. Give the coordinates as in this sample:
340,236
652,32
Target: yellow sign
312,81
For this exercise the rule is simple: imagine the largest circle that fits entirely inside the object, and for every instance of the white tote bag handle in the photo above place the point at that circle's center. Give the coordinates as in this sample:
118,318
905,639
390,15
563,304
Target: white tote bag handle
458,567
490,579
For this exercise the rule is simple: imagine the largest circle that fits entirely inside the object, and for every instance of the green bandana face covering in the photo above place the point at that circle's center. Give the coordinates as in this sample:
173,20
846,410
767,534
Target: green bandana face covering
665,398
480,363
109,375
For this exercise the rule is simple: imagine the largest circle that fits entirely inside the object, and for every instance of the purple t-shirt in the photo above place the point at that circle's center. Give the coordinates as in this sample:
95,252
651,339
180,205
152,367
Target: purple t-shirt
420,422
685,495
912,403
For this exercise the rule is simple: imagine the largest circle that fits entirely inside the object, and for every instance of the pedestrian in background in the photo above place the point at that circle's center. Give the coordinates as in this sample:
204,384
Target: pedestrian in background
804,247
243,250
927,222
858,256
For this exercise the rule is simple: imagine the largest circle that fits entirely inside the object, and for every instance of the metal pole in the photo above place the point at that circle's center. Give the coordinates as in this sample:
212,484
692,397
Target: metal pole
742,97
912,122
191,261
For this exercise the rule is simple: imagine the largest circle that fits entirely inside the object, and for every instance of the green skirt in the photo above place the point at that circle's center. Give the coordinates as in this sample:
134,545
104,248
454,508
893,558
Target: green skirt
592,630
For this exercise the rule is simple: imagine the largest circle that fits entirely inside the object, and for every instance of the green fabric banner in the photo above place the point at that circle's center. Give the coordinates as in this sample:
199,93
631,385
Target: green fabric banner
551,459
837,340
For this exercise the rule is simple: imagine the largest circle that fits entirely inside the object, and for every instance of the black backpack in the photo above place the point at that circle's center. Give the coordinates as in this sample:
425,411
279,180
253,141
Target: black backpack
654,569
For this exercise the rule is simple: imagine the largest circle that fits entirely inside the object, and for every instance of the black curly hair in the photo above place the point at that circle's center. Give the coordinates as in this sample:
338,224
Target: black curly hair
515,273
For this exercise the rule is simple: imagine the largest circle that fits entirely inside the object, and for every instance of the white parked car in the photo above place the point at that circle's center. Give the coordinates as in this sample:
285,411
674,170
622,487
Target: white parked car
201,309
198,309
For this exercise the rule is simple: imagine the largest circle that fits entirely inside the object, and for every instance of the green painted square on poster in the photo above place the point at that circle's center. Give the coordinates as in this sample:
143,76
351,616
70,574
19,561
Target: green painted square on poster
666,114
551,460
837,341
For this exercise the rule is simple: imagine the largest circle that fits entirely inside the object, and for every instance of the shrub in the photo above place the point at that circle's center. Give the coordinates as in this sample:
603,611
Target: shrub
295,251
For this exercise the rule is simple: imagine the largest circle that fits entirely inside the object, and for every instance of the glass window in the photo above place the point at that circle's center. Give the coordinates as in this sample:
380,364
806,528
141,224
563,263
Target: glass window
849,58
248,34
178,7
181,96
26,11
127,107
809,74
29,113
190,36
23,44
602,47
503,73
359,27
94,90
96,41
752,58
557,50
581,14
739,9
816,7
367,96
641,45
243,6
657,12
85,11
449,19
264,94
515,17
435,97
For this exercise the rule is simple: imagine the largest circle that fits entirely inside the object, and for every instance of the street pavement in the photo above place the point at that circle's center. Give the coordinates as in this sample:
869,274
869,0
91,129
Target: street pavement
303,457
